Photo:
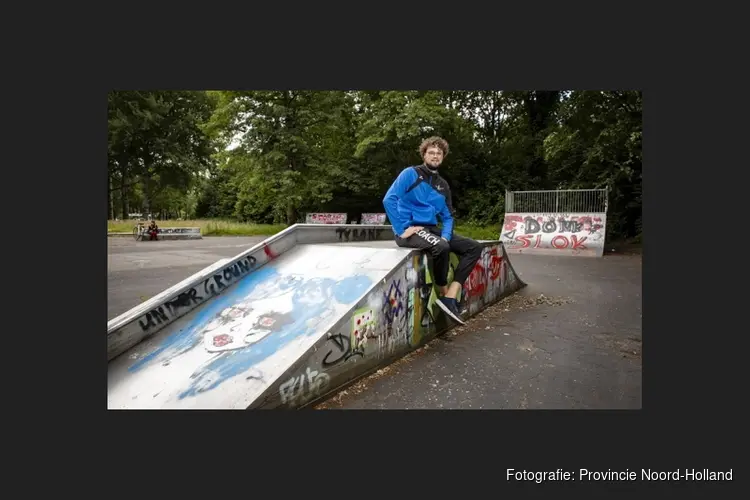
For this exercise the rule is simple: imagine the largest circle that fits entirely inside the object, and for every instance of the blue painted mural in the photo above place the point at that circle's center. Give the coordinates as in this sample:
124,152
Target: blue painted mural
241,337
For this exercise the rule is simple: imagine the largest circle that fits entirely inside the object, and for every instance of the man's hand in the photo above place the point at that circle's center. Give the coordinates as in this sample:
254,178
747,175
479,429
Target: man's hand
411,230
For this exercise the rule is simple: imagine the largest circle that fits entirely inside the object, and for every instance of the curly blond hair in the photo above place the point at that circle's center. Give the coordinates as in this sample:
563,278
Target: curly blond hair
434,141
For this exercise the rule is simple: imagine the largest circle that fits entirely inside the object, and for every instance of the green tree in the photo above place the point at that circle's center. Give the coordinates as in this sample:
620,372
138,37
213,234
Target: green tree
280,153
598,145
156,140
294,147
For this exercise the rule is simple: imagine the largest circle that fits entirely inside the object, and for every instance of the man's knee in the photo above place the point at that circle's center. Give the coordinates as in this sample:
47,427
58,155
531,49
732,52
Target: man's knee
476,249
472,251
441,248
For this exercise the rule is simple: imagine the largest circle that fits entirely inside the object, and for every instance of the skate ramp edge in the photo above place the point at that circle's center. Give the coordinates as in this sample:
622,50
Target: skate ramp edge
555,233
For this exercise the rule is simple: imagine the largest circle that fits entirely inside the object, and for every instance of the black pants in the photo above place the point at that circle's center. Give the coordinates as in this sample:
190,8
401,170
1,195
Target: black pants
469,251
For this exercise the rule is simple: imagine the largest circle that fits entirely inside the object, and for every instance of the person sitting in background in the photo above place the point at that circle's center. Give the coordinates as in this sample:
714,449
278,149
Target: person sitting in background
152,230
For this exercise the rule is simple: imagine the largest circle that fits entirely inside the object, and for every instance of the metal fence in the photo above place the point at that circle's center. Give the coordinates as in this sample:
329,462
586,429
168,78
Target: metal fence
557,201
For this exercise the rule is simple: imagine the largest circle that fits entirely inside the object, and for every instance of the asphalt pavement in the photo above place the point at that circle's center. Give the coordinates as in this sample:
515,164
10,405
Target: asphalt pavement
138,270
569,340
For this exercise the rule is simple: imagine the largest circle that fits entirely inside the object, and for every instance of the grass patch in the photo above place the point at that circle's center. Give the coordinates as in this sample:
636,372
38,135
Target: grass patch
491,232
213,227
226,228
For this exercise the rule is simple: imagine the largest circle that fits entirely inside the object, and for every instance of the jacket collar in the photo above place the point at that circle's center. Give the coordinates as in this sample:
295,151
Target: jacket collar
425,170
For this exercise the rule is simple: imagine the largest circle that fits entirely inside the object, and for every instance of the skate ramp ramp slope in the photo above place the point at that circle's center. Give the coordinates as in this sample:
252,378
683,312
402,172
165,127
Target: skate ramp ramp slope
287,322
555,233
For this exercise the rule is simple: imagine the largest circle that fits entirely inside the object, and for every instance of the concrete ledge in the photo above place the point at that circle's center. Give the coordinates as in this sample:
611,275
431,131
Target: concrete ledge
162,236
179,230
167,233
176,236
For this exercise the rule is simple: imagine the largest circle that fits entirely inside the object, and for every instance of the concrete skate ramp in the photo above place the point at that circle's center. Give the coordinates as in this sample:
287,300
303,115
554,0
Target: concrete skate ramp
554,233
287,321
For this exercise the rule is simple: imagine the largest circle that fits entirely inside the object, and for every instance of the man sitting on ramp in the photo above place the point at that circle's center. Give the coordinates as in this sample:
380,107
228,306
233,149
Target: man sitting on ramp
413,203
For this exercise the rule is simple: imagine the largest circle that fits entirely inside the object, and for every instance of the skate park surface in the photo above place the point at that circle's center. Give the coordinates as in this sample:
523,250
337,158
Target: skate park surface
569,339
137,270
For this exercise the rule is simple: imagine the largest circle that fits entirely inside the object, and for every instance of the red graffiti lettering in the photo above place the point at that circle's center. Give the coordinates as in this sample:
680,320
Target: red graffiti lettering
525,240
560,242
562,245
588,224
269,253
578,244
511,221
495,265
538,241
477,282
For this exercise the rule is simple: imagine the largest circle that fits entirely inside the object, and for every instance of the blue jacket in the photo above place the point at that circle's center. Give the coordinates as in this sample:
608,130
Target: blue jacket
416,198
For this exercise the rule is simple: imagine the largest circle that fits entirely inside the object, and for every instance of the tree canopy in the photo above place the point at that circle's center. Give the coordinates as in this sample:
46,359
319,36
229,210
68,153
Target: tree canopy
272,156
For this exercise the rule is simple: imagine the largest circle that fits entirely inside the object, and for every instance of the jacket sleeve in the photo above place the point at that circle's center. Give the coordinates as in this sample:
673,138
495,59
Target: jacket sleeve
395,192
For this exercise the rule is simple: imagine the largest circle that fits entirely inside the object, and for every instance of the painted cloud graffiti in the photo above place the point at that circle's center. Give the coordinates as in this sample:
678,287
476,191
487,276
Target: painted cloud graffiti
262,314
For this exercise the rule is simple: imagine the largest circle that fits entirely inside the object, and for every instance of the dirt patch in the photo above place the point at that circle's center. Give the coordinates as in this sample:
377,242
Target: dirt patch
361,385
630,347
489,318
